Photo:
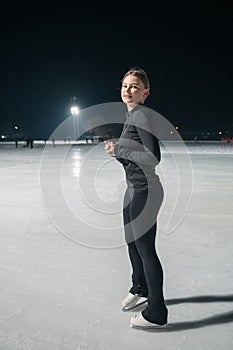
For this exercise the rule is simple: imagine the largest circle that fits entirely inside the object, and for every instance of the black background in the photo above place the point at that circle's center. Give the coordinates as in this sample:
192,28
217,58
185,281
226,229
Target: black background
50,53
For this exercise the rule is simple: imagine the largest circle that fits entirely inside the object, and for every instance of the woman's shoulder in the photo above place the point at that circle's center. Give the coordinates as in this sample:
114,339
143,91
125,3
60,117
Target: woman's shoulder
143,115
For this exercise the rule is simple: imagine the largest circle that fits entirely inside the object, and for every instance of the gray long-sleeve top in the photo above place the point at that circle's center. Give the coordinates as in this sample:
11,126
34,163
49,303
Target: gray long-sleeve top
138,148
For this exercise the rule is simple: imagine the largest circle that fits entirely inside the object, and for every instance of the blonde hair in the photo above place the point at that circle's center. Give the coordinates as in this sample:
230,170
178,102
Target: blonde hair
140,74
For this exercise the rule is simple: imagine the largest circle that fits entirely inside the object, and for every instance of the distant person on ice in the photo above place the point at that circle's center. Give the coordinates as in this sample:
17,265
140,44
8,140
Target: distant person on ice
139,153
29,142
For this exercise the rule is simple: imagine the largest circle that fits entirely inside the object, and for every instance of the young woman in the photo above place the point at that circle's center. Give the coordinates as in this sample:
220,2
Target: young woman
138,151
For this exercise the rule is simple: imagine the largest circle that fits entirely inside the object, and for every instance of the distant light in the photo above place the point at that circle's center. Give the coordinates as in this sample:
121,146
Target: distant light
177,127
16,127
74,110
3,137
220,132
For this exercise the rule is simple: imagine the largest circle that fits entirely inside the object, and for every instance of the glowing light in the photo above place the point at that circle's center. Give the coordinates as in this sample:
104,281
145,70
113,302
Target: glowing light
74,110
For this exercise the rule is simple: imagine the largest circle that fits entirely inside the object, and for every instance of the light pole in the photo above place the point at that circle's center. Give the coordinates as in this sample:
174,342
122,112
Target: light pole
16,128
74,111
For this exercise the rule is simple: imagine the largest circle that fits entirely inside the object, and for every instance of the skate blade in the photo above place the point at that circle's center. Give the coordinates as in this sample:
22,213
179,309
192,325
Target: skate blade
129,308
152,326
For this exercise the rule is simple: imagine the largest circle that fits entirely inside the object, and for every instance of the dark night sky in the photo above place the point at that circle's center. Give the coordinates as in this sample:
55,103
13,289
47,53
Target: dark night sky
49,54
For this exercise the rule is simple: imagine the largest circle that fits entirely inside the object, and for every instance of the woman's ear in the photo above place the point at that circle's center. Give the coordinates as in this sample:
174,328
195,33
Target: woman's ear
146,94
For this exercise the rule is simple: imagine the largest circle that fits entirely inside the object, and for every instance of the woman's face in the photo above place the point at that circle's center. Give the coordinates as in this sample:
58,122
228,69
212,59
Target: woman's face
133,91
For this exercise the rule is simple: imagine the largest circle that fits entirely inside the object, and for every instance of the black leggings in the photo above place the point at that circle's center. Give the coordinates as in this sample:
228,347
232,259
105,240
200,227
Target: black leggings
140,222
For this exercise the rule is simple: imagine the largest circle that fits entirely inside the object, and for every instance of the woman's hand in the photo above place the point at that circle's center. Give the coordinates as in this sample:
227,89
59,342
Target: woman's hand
109,148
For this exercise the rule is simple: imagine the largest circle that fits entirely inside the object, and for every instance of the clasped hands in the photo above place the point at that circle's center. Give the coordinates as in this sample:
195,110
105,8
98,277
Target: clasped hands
109,148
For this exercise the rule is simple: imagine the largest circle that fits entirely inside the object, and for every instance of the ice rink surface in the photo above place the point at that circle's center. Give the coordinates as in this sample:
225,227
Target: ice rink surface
64,266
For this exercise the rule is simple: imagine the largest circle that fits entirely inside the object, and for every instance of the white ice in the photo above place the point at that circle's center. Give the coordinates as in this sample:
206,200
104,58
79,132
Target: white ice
63,262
